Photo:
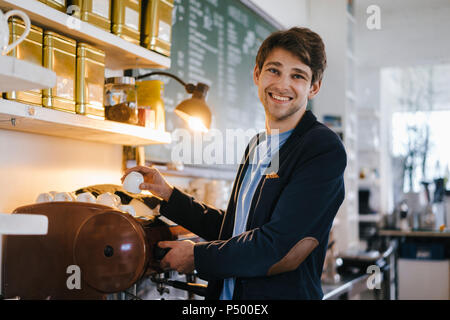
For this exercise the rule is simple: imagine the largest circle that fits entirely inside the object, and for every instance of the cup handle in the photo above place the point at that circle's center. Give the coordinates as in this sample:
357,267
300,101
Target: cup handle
27,22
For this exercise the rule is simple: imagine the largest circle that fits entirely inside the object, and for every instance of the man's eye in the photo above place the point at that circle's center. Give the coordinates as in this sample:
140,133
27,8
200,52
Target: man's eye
298,76
272,70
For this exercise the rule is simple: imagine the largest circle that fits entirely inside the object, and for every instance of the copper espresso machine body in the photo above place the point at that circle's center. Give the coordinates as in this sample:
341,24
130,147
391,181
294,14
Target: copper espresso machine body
111,248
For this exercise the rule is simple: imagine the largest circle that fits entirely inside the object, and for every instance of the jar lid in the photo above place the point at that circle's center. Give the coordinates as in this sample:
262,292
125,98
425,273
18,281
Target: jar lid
120,80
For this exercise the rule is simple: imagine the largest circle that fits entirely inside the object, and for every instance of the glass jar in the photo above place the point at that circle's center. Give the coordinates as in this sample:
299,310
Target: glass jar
121,100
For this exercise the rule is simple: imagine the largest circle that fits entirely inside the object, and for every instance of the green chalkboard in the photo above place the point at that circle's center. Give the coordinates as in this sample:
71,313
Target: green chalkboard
214,42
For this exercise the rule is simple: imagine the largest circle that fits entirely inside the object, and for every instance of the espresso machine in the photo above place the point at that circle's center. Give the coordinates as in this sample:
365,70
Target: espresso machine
91,251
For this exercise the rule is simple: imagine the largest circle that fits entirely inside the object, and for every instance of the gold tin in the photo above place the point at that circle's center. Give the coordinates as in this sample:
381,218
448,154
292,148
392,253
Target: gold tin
149,98
60,57
90,81
126,20
156,32
56,4
96,12
30,50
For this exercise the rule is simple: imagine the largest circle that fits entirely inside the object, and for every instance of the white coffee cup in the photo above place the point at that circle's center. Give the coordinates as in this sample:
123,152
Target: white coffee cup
141,208
44,197
109,199
63,196
5,47
132,182
53,193
73,196
128,209
86,197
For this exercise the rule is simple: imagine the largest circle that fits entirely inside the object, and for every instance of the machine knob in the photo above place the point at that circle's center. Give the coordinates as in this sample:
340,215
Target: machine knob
108,251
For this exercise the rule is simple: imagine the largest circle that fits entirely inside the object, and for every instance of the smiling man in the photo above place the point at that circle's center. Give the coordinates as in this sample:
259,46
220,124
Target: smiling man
270,242
284,87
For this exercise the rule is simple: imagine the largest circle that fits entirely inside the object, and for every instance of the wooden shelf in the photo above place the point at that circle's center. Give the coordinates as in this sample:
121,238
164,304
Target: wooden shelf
120,54
17,74
415,233
33,119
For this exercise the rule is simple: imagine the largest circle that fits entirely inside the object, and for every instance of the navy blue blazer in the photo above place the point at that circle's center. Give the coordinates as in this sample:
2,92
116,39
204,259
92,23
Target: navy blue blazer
297,203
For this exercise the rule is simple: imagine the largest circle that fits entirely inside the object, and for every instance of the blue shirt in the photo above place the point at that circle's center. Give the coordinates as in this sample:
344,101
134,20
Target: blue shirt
256,169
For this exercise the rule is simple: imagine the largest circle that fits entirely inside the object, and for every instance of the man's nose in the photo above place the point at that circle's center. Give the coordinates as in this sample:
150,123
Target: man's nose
283,83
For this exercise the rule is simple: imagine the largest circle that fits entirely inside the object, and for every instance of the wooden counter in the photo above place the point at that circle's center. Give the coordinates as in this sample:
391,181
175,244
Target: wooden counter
415,233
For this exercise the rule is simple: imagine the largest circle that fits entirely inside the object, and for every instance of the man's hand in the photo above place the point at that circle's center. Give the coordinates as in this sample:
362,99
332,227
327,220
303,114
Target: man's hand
153,181
180,257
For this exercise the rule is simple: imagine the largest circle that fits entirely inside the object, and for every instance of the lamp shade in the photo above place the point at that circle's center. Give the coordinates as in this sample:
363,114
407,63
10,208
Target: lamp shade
196,113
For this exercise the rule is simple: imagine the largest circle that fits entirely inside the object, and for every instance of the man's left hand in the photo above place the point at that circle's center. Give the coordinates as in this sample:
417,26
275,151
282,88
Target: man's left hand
180,257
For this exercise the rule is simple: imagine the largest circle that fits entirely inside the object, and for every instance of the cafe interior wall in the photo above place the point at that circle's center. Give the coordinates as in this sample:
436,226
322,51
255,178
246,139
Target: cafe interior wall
32,163
411,34
288,13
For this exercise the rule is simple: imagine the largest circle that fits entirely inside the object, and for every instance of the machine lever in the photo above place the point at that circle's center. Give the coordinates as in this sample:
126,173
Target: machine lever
196,288
159,253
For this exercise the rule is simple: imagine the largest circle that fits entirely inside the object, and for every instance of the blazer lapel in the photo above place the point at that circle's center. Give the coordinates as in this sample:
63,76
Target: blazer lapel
243,167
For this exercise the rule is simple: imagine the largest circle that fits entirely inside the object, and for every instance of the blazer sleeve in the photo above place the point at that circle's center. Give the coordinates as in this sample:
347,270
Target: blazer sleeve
199,218
306,208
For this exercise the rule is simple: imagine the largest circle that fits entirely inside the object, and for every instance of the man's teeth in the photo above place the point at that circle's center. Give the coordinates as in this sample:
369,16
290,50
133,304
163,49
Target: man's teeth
280,97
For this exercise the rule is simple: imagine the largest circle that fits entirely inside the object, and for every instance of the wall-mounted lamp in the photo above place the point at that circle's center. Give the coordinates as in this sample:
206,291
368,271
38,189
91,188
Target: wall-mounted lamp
194,110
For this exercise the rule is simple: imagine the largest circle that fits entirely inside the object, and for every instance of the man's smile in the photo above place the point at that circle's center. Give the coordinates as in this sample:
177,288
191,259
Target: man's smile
279,98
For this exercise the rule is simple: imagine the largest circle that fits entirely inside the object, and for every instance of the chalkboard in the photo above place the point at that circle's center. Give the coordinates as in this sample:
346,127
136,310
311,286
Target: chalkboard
214,42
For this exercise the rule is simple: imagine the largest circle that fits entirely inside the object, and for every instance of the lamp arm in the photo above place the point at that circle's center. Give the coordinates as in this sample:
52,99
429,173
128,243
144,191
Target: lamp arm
188,86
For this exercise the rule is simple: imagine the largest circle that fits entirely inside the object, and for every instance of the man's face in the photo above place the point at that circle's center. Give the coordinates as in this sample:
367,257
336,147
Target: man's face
284,84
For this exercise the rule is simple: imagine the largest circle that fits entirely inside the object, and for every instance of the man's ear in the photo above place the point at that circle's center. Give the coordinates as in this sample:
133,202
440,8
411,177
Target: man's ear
256,74
314,89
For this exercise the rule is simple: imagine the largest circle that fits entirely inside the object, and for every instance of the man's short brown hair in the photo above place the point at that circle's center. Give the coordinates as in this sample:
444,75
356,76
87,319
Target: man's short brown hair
301,42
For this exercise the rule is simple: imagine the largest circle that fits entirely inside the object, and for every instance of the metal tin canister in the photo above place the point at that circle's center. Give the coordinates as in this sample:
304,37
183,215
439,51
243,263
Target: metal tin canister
126,20
90,81
30,50
96,12
60,57
156,32
56,4
151,104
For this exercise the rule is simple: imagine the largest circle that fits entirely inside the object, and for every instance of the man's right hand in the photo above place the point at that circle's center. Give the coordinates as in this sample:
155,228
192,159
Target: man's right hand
153,181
